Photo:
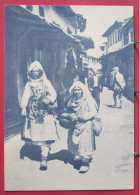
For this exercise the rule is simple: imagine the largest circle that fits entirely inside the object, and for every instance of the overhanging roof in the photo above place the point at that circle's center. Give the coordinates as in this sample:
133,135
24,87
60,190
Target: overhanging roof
65,10
128,23
115,26
23,15
87,42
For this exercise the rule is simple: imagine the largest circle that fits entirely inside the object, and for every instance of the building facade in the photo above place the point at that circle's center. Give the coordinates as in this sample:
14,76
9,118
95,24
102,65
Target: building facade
42,33
119,51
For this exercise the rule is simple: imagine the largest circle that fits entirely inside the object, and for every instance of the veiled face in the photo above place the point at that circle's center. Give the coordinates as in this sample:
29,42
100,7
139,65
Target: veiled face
77,93
35,73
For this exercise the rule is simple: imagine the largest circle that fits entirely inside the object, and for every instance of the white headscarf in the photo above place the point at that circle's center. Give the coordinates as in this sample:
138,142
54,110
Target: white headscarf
80,85
34,65
86,94
36,83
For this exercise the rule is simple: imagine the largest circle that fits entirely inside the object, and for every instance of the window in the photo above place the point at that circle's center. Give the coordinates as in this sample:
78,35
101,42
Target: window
41,11
126,38
116,36
29,7
132,36
119,36
108,41
112,37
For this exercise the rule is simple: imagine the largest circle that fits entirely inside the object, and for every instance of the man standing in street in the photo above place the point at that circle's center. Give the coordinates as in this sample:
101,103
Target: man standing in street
95,86
118,87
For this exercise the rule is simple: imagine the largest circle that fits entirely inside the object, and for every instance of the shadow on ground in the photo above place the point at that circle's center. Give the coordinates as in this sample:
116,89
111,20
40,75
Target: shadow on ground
34,153
30,151
109,106
66,157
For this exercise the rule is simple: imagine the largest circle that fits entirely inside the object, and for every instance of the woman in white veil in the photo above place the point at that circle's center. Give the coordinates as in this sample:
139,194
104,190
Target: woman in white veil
38,97
82,109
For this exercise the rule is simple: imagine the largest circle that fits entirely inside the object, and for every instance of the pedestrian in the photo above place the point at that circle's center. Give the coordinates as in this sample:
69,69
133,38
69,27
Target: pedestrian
105,78
95,85
112,76
118,87
81,110
37,104
76,78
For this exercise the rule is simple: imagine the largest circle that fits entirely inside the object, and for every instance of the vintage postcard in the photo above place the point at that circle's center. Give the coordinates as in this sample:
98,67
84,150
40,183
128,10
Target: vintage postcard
69,88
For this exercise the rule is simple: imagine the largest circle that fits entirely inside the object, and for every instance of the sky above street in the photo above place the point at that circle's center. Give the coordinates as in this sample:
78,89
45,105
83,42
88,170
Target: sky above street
100,18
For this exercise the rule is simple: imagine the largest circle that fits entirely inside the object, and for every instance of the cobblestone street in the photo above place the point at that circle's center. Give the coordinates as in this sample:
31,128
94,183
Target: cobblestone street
112,164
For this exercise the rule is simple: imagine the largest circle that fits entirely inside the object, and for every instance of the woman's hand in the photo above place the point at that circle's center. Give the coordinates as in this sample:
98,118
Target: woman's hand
82,118
73,117
46,101
69,116
23,112
86,117
64,115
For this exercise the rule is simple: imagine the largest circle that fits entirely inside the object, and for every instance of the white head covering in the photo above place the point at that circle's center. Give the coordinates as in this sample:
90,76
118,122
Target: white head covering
80,85
34,65
86,94
116,68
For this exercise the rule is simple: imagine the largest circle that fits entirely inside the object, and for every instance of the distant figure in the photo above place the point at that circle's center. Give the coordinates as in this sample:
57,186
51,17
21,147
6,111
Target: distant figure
76,78
37,106
95,85
112,76
118,87
105,78
81,110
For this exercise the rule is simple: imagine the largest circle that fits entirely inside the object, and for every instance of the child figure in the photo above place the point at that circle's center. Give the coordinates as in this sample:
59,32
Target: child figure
37,106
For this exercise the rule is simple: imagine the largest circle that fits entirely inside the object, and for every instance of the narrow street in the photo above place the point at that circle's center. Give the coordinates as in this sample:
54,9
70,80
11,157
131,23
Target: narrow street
112,164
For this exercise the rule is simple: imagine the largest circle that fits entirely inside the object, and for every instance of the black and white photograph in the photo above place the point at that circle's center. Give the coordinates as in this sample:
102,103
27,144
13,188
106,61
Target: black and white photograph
68,97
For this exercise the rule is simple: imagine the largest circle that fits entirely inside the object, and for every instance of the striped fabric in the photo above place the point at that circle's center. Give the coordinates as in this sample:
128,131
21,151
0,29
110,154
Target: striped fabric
41,132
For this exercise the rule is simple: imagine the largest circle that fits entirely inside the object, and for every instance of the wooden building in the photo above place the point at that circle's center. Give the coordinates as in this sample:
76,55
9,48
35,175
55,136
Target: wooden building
42,33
